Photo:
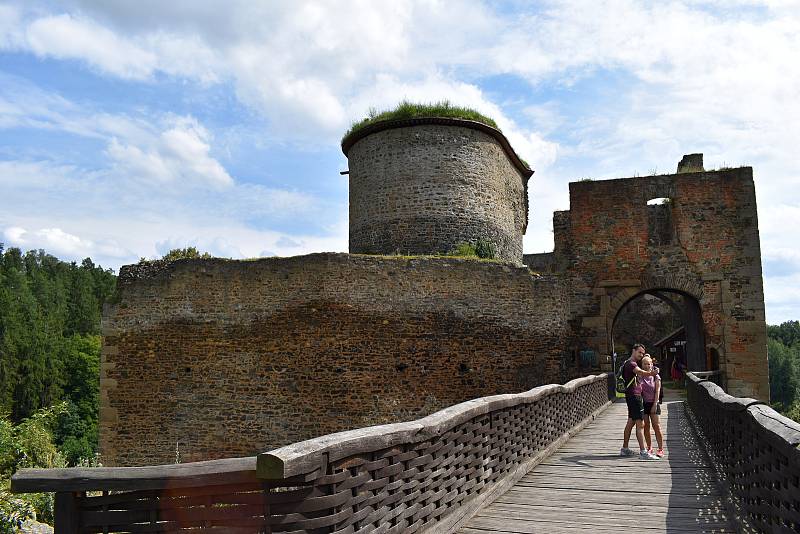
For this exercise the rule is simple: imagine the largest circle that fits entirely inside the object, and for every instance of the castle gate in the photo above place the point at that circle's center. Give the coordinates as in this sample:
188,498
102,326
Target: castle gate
692,233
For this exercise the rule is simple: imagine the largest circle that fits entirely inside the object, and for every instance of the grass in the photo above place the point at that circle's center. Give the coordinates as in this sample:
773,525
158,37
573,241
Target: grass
411,110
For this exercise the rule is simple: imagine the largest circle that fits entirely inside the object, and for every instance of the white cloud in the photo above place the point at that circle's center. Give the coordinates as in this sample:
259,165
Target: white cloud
782,293
180,154
63,244
67,37
644,82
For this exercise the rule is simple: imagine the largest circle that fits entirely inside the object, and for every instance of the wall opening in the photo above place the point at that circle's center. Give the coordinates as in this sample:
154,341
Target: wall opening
669,324
660,227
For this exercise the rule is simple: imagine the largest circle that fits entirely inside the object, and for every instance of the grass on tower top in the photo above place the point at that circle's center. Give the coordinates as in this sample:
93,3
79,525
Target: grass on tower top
409,110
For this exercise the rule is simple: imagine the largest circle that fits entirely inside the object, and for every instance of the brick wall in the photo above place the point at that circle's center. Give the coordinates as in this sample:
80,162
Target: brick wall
229,358
703,243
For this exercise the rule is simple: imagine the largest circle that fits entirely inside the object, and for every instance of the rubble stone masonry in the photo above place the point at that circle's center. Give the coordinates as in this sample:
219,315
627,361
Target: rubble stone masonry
425,189
220,358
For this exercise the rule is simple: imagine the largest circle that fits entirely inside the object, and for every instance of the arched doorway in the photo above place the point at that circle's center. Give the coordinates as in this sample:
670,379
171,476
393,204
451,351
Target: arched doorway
668,321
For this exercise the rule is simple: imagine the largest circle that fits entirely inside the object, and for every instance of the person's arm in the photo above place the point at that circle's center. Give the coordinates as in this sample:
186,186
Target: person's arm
641,372
658,392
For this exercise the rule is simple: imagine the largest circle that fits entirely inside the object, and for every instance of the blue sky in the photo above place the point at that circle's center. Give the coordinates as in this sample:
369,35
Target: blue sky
130,128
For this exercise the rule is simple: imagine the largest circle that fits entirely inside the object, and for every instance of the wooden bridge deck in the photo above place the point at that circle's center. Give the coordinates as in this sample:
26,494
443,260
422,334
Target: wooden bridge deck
587,486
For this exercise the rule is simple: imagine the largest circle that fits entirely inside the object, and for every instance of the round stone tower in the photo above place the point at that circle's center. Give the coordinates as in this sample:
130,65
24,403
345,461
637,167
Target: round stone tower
426,185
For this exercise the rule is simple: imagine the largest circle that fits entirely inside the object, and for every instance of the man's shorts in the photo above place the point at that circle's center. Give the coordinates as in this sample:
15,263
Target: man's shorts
649,406
635,407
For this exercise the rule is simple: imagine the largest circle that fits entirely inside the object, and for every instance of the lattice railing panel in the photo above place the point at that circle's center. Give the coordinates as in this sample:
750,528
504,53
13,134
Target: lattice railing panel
401,478
443,462
755,451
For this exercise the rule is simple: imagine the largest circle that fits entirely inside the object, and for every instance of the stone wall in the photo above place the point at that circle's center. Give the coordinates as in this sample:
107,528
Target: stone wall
229,358
424,189
703,243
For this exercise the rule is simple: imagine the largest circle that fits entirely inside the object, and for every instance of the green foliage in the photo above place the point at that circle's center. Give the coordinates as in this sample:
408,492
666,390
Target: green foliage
185,253
76,431
485,249
783,347
410,110
14,511
464,250
787,333
44,304
482,248
28,444
793,412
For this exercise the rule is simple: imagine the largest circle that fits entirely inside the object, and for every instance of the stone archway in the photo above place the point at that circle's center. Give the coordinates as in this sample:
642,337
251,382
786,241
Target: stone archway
688,310
615,294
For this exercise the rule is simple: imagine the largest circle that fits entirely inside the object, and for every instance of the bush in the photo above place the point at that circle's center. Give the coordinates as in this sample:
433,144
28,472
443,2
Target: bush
464,250
28,444
14,511
482,248
485,249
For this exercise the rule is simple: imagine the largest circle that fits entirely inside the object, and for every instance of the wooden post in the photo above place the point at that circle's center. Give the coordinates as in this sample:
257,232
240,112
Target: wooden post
67,514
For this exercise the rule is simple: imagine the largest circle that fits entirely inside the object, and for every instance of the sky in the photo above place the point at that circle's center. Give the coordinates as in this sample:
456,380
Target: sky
131,128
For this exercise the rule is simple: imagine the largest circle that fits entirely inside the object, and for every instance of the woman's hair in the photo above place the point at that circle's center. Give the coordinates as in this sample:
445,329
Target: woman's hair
648,358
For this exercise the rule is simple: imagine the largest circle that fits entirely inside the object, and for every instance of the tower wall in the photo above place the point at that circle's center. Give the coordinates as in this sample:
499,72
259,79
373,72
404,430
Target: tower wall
424,189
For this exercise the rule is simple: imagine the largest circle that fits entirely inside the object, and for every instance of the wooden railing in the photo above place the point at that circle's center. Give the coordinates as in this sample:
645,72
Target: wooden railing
755,452
428,475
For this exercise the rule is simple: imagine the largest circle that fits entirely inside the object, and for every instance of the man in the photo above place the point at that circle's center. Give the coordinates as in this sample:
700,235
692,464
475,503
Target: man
633,398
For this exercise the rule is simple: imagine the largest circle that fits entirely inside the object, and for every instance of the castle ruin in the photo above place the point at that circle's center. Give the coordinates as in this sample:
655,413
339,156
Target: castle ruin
217,358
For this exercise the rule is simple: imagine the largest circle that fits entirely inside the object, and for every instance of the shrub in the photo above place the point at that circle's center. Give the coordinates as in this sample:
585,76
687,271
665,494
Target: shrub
464,250
482,248
485,249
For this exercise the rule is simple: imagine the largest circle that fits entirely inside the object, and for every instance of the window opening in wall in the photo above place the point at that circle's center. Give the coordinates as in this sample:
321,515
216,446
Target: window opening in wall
660,228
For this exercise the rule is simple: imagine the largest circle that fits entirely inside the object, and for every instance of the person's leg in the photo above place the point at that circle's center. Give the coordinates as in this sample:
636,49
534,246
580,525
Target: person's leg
646,430
626,438
657,429
640,434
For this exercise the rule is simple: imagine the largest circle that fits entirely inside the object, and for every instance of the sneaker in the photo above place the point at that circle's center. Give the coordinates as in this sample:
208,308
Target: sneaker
644,455
625,451
650,450
660,453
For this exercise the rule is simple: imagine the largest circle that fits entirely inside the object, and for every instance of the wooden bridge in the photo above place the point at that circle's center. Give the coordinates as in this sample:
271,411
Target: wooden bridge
585,486
546,460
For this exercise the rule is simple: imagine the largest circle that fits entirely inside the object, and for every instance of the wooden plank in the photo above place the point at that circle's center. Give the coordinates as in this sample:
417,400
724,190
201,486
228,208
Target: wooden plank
599,496
622,509
526,527
587,486
599,519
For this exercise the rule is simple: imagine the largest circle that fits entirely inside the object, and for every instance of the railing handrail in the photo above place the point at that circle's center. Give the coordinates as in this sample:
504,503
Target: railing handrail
294,459
755,451
427,475
151,477
728,402
307,457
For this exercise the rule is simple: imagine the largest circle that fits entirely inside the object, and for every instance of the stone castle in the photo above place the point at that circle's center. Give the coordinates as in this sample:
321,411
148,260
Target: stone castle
217,358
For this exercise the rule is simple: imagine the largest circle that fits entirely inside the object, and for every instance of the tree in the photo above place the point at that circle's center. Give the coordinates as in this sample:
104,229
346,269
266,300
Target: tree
787,333
784,375
185,253
76,431
27,444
